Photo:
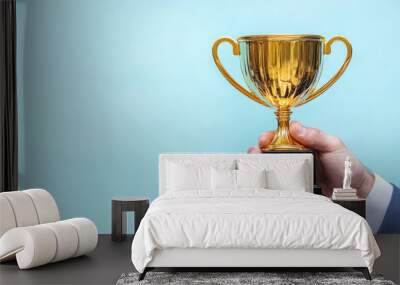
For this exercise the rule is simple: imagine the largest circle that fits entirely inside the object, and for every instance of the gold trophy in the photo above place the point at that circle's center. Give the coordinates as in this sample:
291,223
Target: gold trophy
282,71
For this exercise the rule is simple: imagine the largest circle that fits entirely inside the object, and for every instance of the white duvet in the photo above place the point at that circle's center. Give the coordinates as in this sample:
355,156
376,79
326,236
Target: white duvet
250,219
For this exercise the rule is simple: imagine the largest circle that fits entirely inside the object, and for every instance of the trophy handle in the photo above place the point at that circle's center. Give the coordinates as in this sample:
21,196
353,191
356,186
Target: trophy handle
236,51
327,50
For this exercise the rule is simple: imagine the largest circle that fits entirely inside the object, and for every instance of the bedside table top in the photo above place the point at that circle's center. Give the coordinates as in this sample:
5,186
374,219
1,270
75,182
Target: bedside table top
130,198
350,200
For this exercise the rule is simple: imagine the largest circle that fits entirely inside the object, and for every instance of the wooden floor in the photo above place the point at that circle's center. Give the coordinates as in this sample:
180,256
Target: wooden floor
103,266
111,259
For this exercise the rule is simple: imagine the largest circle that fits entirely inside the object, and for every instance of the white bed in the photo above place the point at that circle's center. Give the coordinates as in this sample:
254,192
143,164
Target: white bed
248,227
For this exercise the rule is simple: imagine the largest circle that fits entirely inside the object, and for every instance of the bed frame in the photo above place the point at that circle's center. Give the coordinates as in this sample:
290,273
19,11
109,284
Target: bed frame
256,260
236,259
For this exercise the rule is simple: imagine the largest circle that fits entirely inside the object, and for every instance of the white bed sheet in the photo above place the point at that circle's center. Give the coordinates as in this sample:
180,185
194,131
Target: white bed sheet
250,218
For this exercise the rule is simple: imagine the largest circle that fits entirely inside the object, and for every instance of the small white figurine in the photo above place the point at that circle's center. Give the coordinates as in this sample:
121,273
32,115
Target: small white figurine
347,173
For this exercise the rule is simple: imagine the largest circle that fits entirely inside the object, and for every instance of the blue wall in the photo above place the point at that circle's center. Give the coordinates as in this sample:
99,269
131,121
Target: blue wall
105,86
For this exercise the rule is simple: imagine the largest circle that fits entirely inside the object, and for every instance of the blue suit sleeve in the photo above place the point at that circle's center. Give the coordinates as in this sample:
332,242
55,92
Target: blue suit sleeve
391,221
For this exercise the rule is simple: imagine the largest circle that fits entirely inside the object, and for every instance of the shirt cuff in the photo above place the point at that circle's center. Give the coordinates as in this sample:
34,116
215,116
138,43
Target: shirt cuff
377,202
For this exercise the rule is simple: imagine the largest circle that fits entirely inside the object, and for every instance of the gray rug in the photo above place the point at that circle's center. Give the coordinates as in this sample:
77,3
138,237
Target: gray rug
233,278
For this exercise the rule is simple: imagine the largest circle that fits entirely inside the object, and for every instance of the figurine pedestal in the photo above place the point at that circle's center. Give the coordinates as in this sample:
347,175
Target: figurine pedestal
345,194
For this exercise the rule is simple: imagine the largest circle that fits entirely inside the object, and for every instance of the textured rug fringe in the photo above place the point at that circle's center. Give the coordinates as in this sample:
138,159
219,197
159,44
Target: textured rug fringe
247,278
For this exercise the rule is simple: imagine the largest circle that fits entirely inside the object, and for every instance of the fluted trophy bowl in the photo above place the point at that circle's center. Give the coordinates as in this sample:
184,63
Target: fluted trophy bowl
282,72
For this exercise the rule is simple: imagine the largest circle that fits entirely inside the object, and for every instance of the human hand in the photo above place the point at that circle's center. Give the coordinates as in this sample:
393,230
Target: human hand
330,156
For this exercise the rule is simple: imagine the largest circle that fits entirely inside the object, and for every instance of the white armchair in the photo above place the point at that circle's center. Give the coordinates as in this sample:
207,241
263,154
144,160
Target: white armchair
31,230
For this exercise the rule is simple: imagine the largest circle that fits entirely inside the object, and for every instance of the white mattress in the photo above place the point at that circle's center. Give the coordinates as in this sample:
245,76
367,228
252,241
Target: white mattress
251,219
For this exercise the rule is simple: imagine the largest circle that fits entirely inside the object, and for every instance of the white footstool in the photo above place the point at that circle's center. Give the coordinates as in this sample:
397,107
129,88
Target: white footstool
31,232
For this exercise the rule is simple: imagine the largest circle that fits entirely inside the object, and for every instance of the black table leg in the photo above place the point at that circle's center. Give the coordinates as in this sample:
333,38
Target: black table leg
118,222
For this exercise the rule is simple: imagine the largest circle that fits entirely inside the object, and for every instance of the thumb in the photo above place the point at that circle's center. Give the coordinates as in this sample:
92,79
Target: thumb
314,138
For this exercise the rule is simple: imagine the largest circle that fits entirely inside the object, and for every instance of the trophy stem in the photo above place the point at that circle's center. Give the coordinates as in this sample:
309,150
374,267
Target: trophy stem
282,140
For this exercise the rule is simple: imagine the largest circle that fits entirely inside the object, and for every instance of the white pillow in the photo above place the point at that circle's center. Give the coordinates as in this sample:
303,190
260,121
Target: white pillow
193,174
251,178
223,179
237,179
292,178
283,174
187,177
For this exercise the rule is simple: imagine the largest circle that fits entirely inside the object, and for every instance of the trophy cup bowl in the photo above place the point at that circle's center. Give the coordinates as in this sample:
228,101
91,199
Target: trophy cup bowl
282,72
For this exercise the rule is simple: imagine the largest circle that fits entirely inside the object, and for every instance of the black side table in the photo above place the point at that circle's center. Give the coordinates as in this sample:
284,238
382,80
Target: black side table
358,206
121,205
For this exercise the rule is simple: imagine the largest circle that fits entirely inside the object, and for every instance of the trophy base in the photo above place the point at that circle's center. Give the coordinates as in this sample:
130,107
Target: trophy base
285,148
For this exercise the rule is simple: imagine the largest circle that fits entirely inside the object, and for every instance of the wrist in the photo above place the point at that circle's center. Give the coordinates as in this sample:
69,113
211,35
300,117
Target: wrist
366,184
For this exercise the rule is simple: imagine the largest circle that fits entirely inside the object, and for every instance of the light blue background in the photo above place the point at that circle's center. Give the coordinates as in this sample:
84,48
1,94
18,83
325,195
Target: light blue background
105,86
